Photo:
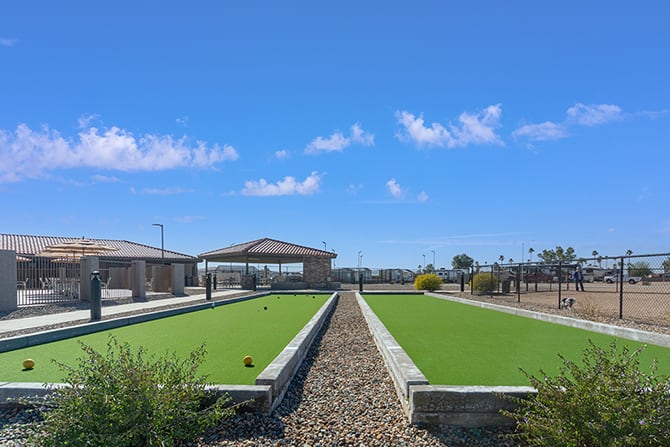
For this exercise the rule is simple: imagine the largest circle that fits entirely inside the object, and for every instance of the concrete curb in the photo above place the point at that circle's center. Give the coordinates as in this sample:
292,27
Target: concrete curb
404,372
263,397
466,406
278,374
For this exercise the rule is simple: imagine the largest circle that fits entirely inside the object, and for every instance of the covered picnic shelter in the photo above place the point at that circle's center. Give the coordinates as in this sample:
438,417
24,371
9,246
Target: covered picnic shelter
316,263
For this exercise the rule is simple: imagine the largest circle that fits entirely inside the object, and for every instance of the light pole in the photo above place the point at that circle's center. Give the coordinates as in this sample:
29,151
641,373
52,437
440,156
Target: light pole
424,262
162,241
434,266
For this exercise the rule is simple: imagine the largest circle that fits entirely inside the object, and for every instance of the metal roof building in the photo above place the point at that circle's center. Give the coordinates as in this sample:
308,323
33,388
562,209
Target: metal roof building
316,262
125,250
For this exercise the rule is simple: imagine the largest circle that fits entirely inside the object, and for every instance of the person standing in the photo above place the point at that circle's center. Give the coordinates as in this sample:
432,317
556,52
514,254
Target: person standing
578,276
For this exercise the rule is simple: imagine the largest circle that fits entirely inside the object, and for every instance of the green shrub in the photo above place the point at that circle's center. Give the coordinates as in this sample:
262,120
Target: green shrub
605,401
124,399
484,282
427,281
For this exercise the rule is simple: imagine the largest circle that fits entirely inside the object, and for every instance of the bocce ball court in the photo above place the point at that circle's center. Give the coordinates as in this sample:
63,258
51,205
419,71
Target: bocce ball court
459,344
259,327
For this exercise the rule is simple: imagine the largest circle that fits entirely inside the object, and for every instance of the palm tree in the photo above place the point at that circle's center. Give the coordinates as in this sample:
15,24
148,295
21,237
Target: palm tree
531,250
501,258
594,253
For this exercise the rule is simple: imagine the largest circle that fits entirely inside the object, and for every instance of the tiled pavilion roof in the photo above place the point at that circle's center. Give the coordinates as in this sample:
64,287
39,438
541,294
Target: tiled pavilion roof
126,250
265,250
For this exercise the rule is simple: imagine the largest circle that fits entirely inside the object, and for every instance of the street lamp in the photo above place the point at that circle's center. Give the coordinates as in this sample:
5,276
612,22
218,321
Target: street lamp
424,262
434,266
162,241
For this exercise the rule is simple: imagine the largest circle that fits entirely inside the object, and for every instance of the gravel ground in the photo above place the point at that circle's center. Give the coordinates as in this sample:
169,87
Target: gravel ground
341,396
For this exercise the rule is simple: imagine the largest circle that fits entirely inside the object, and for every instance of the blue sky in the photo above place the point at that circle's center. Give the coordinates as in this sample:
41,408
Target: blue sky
396,129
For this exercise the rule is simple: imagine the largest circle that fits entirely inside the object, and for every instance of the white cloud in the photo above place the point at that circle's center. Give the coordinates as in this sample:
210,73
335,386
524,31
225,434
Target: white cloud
354,188
281,155
415,131
7,42
422,197
26,153
395,189
286,187
593,114
578,115
85,120
541,132
182,121
337,142
476,128
358,135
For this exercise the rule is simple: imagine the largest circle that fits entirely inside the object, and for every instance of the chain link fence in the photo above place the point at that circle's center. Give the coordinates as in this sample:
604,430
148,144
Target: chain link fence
625,287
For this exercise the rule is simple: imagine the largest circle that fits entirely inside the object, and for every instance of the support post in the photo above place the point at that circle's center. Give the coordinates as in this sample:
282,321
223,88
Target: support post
95,295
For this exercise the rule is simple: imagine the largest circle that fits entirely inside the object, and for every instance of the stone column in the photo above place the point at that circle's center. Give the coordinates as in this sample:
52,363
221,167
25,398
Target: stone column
178,279
316,271
138,275
7,280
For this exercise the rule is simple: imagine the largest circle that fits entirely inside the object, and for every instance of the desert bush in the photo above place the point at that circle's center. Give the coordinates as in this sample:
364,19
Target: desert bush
484,282
124,398
607,400
428,281
588,309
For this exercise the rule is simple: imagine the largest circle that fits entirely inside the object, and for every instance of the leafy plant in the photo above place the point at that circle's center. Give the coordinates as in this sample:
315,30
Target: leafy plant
604,401
484,282
428,281
123,398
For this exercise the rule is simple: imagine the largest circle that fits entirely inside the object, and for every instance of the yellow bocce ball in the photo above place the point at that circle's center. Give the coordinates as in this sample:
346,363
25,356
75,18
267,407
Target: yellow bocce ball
247,360
29,363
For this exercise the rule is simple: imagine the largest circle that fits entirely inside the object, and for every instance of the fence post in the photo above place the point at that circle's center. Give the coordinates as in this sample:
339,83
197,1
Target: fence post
621,290
519,269
560,278
96,299
208,287
491,280
472,280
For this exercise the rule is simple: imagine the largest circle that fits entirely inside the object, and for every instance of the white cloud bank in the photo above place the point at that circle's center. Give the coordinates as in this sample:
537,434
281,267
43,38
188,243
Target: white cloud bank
337,142
26,153
476,128
289,186
589,115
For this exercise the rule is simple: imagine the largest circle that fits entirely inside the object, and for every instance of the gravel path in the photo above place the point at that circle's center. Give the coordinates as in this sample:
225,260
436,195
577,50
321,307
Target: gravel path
343,396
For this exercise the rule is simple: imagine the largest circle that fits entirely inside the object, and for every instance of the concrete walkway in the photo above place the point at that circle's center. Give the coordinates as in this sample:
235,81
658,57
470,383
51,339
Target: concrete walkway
18,324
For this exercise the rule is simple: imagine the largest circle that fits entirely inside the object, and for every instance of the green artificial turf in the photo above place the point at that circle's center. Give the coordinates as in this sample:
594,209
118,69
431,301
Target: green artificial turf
459,344
260,327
